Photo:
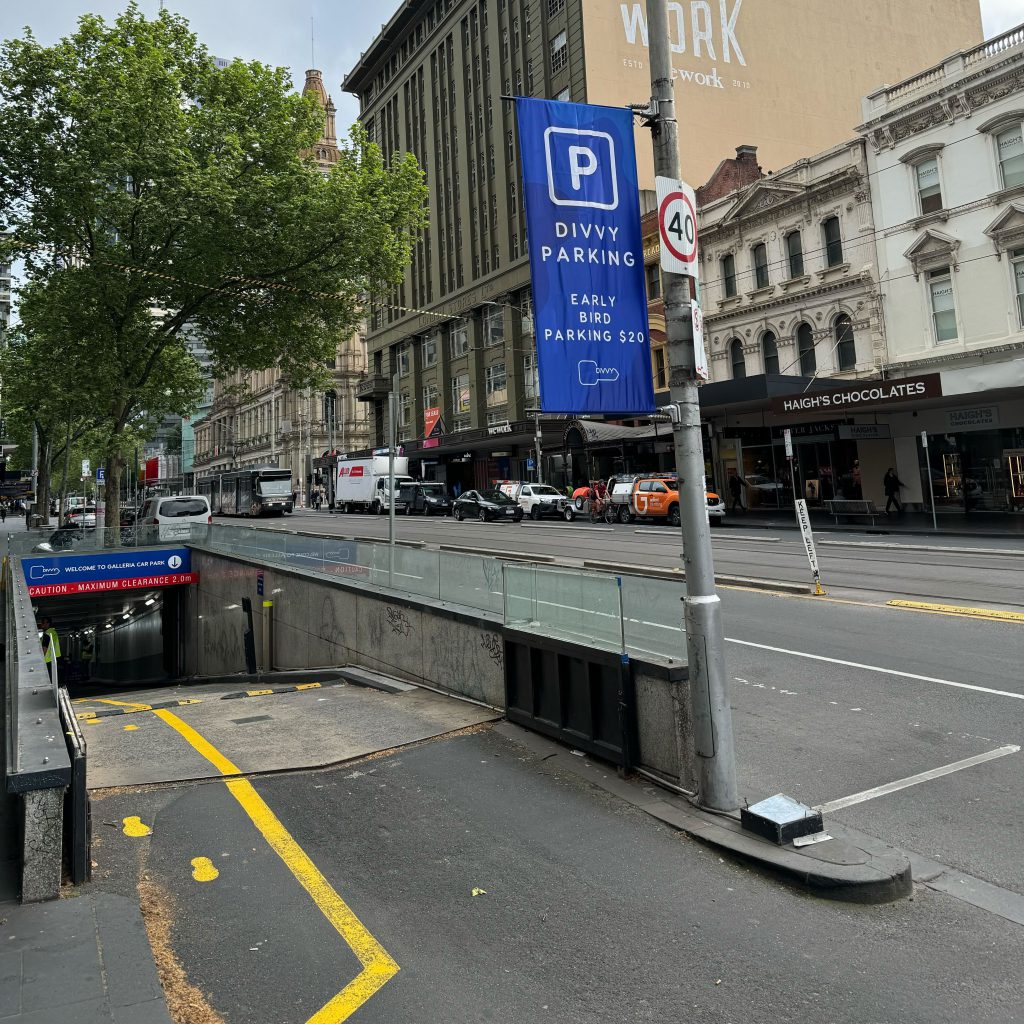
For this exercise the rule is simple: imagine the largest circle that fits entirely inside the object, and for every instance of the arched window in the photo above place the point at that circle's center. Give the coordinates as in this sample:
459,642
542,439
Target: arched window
760,257
805,348
846,347
770,352
739,366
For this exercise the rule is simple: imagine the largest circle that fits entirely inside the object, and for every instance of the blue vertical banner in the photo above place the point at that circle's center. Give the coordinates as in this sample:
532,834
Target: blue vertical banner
586,257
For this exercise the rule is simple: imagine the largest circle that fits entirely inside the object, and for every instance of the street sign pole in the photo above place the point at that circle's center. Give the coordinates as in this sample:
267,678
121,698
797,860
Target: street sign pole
931,482
392,435
712,716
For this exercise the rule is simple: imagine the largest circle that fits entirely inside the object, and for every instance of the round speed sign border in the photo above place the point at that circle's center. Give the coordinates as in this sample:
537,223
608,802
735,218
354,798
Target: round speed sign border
667,201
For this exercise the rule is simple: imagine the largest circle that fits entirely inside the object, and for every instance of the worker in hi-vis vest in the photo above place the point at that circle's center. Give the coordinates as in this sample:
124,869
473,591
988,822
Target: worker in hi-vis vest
49,640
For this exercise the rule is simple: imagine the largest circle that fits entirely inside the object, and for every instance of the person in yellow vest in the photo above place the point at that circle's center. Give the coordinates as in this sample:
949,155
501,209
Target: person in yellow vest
49,639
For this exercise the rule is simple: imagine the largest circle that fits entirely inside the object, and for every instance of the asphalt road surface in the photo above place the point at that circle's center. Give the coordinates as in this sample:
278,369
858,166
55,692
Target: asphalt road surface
833,697
505,890
967,571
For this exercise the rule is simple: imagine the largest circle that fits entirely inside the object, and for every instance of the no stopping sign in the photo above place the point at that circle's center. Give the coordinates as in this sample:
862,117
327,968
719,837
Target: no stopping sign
677,226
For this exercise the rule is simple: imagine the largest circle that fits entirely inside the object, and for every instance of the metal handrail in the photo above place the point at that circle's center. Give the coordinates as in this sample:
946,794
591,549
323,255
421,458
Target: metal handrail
37,755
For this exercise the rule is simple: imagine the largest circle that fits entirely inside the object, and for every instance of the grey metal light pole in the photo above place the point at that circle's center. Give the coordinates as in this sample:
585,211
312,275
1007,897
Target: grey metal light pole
709,695
392,441
536,445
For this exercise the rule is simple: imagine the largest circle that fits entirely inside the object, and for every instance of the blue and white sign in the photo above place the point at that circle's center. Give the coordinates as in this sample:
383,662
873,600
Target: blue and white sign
57,575
586,257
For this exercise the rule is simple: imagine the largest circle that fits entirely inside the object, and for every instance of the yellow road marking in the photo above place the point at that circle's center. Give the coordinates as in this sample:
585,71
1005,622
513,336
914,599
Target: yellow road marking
124,703
135,827
308,686
203,869
378,966
257,693
130,728
963,611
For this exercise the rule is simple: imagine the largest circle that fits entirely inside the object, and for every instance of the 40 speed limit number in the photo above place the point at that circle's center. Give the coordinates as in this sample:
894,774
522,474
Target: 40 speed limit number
677,226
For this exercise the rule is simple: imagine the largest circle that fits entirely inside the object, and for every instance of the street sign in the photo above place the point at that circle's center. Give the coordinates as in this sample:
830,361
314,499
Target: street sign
924,439
787,436
700,355
808,538
586,258
86,468
677,226
100,474
96,573
259,582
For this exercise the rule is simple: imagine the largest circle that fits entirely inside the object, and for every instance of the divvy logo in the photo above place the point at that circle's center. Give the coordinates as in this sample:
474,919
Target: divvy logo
581,168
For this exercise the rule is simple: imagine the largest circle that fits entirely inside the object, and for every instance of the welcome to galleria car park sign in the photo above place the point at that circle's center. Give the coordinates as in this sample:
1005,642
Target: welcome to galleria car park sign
904,391
59,575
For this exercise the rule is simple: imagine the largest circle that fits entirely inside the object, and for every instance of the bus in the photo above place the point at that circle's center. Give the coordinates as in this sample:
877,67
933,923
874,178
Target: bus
256,491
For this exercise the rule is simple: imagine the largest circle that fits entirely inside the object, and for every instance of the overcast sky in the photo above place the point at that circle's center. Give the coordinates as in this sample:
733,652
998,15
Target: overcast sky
278,32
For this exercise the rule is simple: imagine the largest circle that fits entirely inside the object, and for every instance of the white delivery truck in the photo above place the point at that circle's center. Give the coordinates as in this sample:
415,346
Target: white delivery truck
362,484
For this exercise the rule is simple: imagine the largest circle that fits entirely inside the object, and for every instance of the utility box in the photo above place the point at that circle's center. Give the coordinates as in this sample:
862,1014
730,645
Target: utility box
781,819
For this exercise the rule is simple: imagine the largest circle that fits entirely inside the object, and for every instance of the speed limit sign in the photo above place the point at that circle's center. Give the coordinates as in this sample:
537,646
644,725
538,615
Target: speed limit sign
677,226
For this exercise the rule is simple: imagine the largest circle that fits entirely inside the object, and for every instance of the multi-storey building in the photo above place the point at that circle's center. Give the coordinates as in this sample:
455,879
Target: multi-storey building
946,165
436,82
258,419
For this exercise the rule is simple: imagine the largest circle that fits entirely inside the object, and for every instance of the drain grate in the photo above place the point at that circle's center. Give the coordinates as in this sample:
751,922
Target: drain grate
254,718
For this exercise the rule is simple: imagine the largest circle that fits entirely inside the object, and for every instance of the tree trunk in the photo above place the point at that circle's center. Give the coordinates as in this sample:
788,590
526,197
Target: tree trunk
112,493
62,508
43,483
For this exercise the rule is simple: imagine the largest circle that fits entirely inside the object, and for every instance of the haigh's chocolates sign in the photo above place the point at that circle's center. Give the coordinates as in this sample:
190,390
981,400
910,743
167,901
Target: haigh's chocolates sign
904,391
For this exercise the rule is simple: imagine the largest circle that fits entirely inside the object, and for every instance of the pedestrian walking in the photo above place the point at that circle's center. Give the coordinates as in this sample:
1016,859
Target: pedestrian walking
892,484
3,512
736,483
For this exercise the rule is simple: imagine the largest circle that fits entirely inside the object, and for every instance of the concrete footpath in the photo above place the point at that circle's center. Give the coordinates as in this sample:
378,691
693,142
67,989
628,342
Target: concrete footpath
85,959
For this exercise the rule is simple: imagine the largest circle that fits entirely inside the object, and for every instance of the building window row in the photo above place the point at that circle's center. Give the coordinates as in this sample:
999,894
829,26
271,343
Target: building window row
760,265
844,346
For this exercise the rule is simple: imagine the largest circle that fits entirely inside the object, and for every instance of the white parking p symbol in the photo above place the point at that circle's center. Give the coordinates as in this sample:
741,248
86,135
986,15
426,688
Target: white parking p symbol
582,163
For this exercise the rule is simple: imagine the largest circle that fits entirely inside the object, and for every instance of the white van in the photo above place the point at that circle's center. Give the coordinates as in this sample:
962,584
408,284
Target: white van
174,517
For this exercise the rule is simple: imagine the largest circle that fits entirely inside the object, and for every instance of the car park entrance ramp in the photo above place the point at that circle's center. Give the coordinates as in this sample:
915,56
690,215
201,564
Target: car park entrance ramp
293,721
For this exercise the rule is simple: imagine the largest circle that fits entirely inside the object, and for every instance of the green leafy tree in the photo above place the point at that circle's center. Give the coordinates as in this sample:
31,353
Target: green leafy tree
150,192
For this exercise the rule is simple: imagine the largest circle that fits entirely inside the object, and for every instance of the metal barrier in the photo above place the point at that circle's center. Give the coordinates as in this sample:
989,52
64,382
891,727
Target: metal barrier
641,615
61,540
38,767
77,807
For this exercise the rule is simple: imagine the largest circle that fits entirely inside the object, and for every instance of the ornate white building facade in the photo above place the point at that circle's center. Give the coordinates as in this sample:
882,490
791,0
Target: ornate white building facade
946,160
789,284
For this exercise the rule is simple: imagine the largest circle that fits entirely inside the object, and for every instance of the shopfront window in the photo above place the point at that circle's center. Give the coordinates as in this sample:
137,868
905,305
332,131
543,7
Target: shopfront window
940,286
1017,267
1010,150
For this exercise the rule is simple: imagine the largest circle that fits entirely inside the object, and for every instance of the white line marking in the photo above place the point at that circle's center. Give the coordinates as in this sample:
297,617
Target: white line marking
938,548
913,780
878,668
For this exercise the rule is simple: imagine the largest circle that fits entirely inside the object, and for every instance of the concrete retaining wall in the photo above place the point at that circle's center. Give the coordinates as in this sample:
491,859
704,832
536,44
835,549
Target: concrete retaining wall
321,623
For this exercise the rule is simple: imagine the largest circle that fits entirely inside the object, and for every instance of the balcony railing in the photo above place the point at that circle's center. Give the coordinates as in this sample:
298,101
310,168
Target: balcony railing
372,387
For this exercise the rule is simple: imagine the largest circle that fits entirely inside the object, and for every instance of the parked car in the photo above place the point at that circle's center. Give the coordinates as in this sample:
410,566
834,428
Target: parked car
81,517
762,490
174,517
424,496
536,500
485,506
